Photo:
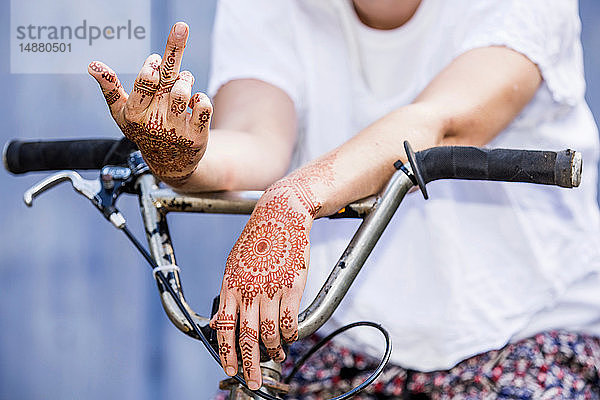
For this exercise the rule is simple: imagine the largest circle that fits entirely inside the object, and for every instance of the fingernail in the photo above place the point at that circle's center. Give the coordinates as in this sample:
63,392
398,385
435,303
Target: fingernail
180,30
230,371
253,385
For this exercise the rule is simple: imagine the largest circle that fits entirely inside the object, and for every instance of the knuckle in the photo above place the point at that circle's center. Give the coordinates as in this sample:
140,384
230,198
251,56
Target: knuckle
178,92
147,74
129,112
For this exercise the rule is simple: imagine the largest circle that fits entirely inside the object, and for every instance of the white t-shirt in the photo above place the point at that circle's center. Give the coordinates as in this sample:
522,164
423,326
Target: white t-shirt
480,263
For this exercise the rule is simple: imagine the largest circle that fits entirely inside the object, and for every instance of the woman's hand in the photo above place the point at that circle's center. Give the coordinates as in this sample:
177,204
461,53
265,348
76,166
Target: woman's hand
154,115
266,271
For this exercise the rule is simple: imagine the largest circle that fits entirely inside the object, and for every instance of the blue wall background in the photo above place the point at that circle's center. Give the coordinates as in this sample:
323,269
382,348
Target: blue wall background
79,313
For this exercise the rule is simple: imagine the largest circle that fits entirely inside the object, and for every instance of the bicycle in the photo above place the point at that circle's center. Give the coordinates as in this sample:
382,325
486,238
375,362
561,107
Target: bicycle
122,170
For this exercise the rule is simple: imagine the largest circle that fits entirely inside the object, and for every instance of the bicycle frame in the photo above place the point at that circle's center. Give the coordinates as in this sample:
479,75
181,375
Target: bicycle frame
551,168
156,203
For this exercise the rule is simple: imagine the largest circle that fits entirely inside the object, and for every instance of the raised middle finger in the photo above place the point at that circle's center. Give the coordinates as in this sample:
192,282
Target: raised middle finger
171,61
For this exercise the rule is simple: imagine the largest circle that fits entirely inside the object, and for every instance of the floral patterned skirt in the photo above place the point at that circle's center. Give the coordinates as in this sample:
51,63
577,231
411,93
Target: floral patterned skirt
550,365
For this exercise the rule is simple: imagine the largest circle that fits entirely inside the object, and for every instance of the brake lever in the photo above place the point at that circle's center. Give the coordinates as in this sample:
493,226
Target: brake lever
102,192
85,187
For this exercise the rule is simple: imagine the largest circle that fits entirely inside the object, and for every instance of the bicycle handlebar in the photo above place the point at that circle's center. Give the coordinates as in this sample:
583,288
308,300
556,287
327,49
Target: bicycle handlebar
52,155
457,162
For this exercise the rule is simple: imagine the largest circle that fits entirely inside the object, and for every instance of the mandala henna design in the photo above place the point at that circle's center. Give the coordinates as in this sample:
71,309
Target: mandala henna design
165,152
270,252
178,105
267,328
248,338
300,182
224,351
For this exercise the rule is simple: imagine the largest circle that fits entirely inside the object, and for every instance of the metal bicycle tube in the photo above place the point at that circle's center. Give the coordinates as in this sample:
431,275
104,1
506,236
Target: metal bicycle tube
152,200
159,241
354,257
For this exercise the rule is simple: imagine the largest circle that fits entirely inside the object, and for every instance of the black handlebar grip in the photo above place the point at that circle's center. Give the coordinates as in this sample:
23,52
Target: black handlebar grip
455,162
20,157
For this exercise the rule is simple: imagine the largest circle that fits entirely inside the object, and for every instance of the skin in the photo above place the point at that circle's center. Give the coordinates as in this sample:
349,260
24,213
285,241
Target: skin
250,146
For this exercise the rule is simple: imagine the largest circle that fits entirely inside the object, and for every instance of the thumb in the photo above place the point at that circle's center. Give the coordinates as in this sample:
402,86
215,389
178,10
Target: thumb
110,85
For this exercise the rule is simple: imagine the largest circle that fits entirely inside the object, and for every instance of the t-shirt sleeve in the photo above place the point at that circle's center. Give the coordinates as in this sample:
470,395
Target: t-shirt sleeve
255,40
545,31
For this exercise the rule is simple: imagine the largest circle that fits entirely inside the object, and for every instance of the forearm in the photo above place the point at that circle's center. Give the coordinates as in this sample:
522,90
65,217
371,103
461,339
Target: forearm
364,164
468,103
237,160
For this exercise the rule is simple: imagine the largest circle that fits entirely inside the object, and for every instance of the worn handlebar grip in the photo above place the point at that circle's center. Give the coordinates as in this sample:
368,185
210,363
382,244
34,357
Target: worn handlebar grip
561,168
22,156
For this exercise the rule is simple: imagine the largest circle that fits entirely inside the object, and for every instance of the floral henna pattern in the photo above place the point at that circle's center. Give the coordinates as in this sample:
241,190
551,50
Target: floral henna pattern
167,152
287,321
300,182
248,339
270,252
204,117
178,105
224,351
267,328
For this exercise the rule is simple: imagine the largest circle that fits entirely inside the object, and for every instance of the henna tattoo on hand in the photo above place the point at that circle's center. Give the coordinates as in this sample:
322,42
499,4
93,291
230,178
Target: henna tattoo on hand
167,77
267,328
144,87
248,339
224,322
270,252
286,321
203,118
274,352
178,105
300,182
114,94
166,152
224,351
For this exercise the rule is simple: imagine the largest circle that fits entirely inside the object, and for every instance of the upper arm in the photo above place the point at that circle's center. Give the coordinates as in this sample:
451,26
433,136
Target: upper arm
480,92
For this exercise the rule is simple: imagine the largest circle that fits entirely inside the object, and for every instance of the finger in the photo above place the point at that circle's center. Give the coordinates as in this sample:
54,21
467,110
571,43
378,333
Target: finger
201,113
269,329
224,323
288,317
110,85
249,347
180,96
145,85
171,61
